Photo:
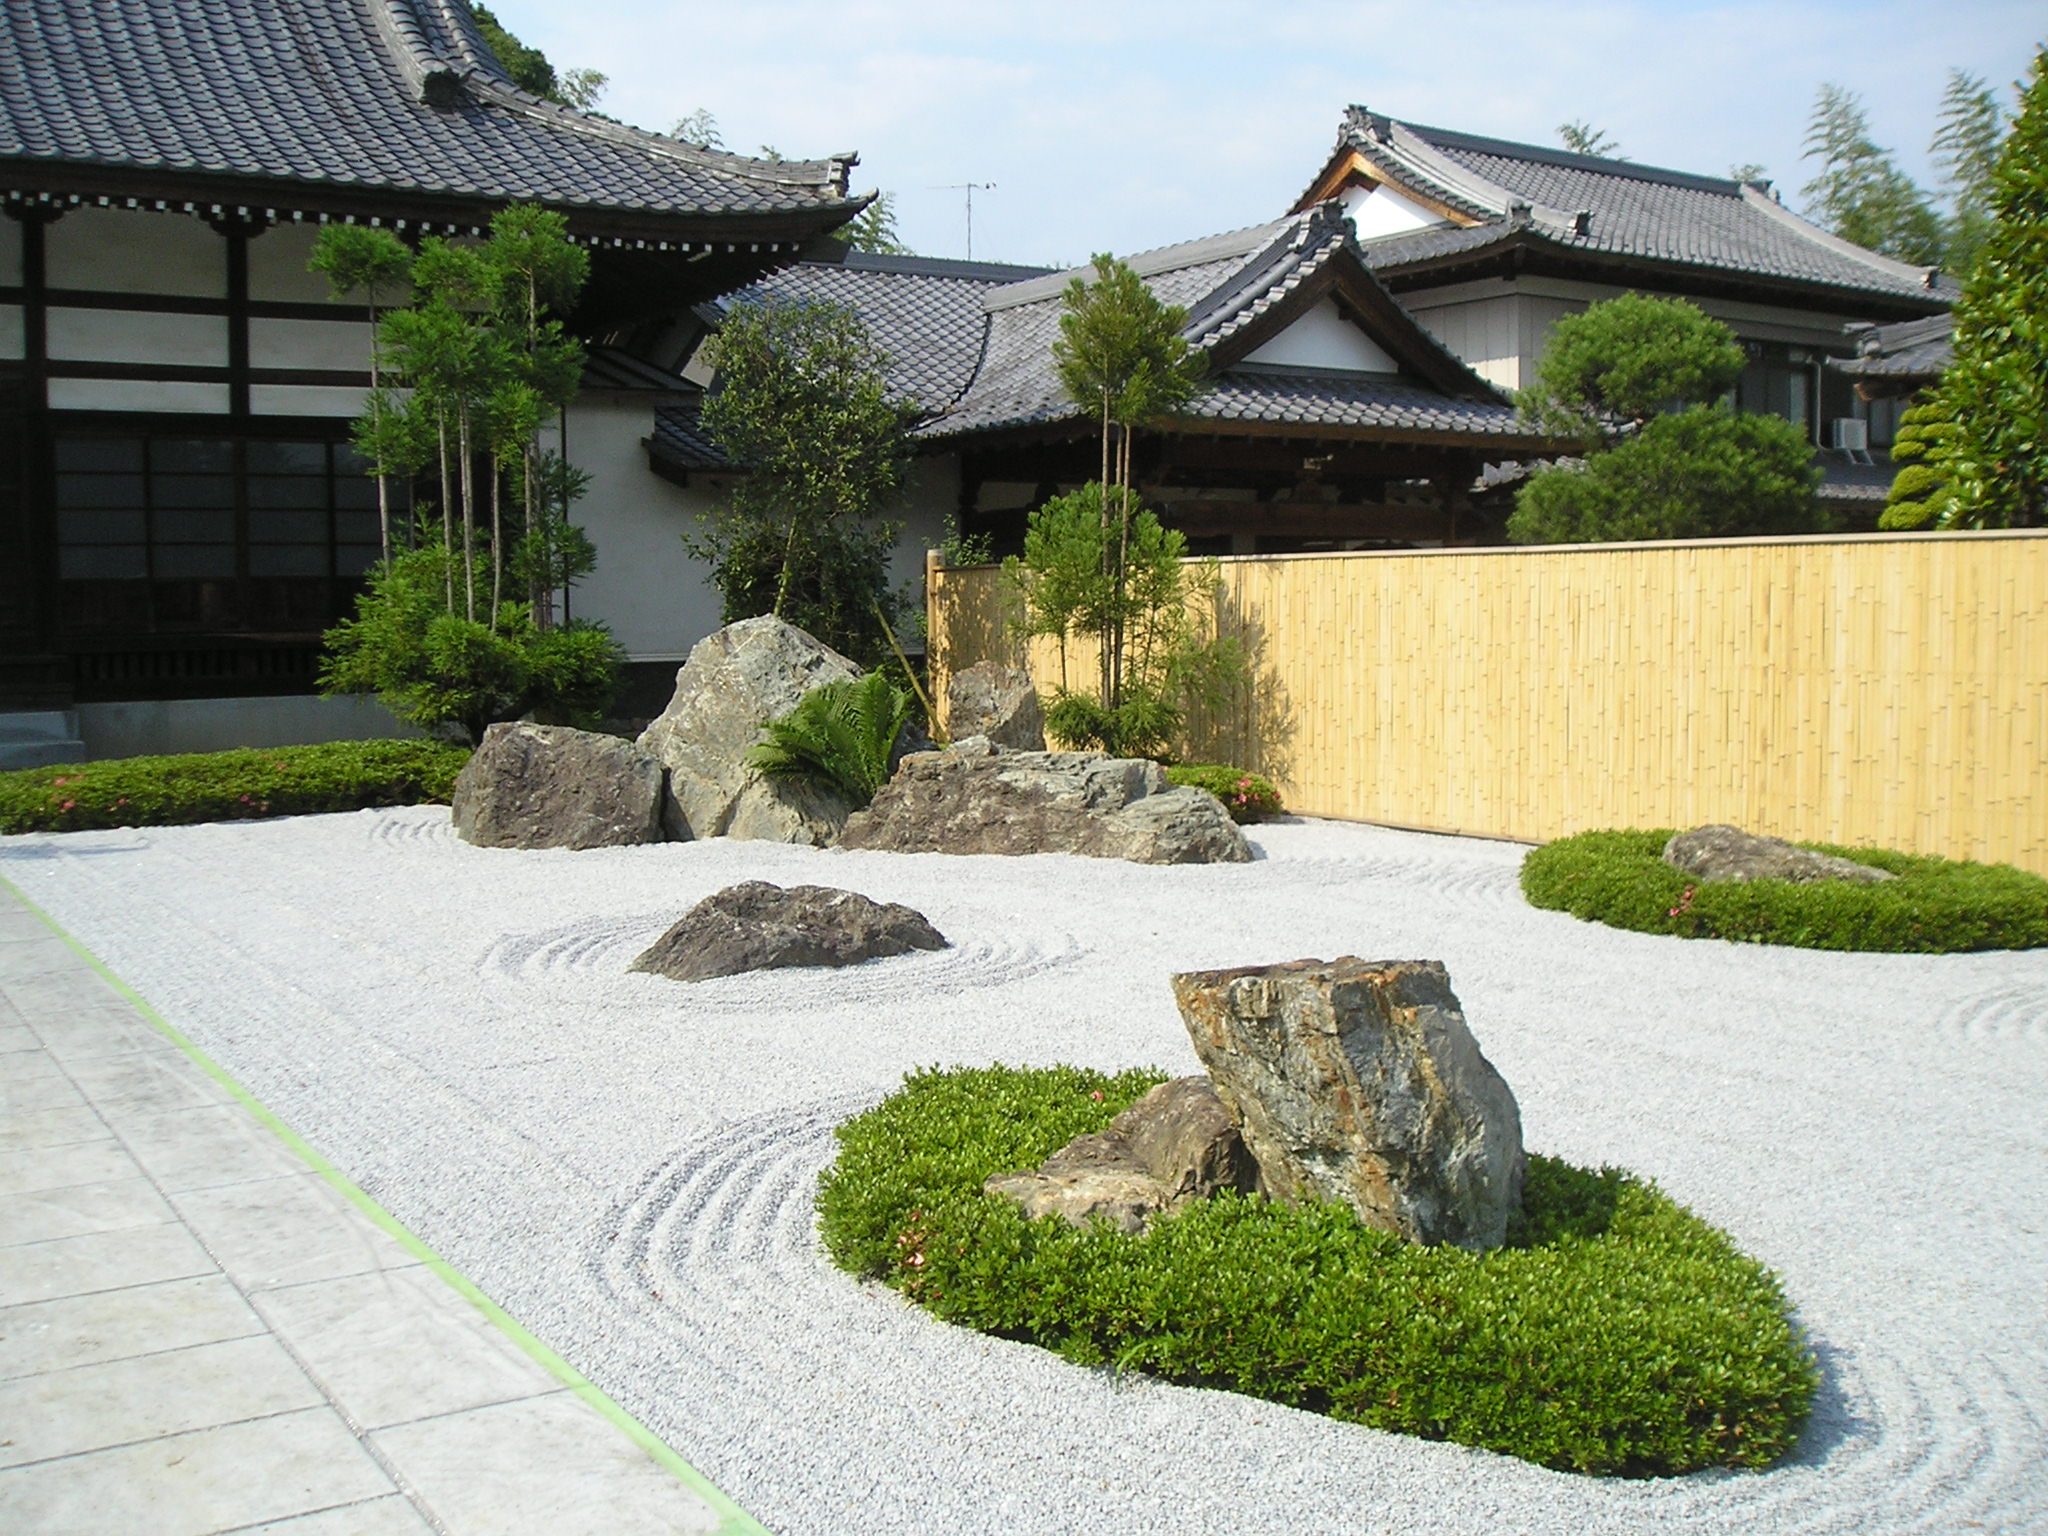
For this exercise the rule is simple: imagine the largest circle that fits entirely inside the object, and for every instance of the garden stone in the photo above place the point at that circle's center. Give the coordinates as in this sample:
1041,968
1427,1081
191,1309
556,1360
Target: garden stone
755,926
736,679
997,702
1176,1144
1358,1081
549,786
977,798
1721,853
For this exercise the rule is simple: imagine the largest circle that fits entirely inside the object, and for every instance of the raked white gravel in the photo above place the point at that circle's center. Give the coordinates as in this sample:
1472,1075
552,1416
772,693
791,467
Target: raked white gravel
627,1163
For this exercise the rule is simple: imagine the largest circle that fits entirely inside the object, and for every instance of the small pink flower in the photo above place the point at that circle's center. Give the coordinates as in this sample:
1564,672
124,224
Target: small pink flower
67,805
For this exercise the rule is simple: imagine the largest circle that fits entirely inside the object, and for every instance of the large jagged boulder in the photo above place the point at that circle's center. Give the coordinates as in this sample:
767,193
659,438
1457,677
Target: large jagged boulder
997,702
1358,1081
548,786
976,798
1176,1144
755,926
743,675
1720,853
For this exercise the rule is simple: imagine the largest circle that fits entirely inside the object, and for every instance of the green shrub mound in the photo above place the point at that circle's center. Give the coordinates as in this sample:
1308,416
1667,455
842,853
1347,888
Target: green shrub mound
1247,796
227,786
1935,906
1618,1333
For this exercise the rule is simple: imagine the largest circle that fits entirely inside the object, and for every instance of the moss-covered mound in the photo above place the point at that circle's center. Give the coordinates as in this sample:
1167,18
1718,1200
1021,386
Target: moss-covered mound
228,786
1935,906
1618,1333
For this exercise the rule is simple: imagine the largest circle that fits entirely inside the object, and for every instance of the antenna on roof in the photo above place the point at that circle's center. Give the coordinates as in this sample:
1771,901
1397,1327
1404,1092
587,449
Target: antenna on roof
970,188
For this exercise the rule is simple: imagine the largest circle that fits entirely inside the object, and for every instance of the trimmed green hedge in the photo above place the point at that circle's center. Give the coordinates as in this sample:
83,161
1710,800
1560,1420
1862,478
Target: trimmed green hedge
1247,796
1935,906
1618,1333
227,786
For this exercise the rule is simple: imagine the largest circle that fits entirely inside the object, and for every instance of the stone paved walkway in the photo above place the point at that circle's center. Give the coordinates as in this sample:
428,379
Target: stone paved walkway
202,1330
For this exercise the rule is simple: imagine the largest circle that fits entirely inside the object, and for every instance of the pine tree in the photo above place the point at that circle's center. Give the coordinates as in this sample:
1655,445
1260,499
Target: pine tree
1996,461
1917,498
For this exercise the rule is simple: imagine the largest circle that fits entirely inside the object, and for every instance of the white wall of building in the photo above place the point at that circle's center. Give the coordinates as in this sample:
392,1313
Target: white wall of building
10,252
277,266
138,336
1323,338
115,250
1380,210
143,728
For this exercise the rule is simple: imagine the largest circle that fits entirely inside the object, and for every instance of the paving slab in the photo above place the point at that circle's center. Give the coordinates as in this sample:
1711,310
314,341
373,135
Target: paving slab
205,1329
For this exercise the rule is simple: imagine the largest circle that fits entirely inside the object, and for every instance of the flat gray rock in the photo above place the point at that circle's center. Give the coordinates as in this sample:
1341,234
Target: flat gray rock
755,926
976,798
1721,853
550,786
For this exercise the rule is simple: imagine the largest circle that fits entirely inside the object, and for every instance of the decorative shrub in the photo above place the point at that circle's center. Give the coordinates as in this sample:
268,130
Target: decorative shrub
839,735
1247,796
228,786
1617,1334
1935,906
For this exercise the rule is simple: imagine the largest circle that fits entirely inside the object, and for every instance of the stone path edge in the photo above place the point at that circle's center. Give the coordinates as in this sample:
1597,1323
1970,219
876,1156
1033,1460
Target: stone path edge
735,1521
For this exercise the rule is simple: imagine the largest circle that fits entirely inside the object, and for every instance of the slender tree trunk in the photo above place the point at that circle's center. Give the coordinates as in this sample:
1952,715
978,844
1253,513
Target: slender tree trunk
497,541
447,508
563,433
468,470
788,560
377,426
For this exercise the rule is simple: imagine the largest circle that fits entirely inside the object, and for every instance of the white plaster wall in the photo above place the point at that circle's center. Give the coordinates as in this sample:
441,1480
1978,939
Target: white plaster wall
1378,210
142,729
119,251
132,336
10,252
309,344
137,395
12,343
931,505
306,400
1323,338
277,265
1485,332
646,587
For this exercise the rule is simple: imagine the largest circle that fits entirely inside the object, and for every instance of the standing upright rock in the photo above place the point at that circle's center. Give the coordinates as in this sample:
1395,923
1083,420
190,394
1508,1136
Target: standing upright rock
1358,1081
736,679
550,786
997,702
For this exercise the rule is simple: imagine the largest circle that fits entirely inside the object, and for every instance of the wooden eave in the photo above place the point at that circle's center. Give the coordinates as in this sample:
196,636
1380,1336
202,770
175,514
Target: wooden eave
1489,445
1348,167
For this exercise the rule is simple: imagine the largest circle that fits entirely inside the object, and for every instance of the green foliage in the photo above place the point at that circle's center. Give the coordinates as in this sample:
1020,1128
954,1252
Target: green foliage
1995,463
700,128
1918,497
1625,360
799,405
227,786
433,668
1935,906
1248,797
1706,472
839,735
1859,193
1121,355
1582,138
1965,151
1621,1335
530,70
1124,581
874,228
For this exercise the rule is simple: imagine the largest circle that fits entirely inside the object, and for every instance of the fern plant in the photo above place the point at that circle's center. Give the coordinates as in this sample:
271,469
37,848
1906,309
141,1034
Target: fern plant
839,735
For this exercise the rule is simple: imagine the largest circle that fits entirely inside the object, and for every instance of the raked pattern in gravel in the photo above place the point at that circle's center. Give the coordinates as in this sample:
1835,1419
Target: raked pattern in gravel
627,1163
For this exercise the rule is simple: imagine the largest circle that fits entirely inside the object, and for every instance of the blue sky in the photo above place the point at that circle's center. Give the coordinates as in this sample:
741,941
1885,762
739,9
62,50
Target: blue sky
1126,124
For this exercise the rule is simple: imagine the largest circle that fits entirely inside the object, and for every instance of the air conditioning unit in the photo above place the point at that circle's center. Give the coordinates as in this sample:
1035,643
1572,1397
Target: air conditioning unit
1850,435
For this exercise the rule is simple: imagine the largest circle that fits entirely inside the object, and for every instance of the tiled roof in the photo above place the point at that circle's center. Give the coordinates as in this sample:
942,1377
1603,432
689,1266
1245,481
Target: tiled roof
1612,208
363,95
1226,283
614,368
679,439
1912,349
1273,392
925,315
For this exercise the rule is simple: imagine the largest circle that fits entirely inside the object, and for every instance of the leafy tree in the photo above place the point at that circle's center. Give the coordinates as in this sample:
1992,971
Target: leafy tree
1582,138
1918,498
1748,171
581,88
841,734
530,70
798,404
1965,151
1995,462
355,258
874,228
1121,357
699,128
1638,382
1860,194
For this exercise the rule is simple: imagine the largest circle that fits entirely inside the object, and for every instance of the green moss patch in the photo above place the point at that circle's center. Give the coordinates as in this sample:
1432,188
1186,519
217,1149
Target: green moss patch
1935,906
228,786
1618,1333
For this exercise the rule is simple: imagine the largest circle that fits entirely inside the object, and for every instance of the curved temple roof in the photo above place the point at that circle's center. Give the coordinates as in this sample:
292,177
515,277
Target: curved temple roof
376,97
1491,192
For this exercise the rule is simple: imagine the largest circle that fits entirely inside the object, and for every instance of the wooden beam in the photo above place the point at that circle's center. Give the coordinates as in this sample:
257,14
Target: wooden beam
1306,519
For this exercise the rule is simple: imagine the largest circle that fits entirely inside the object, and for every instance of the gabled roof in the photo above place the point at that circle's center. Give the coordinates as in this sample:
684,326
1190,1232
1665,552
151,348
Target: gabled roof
1240,290
1911,352
1491,193
292,105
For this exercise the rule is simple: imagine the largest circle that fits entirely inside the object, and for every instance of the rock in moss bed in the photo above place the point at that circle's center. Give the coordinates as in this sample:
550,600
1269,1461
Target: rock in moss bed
1615,1333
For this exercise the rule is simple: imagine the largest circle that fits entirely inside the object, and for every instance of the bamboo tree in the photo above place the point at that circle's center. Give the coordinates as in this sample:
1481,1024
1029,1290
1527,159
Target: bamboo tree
355,258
